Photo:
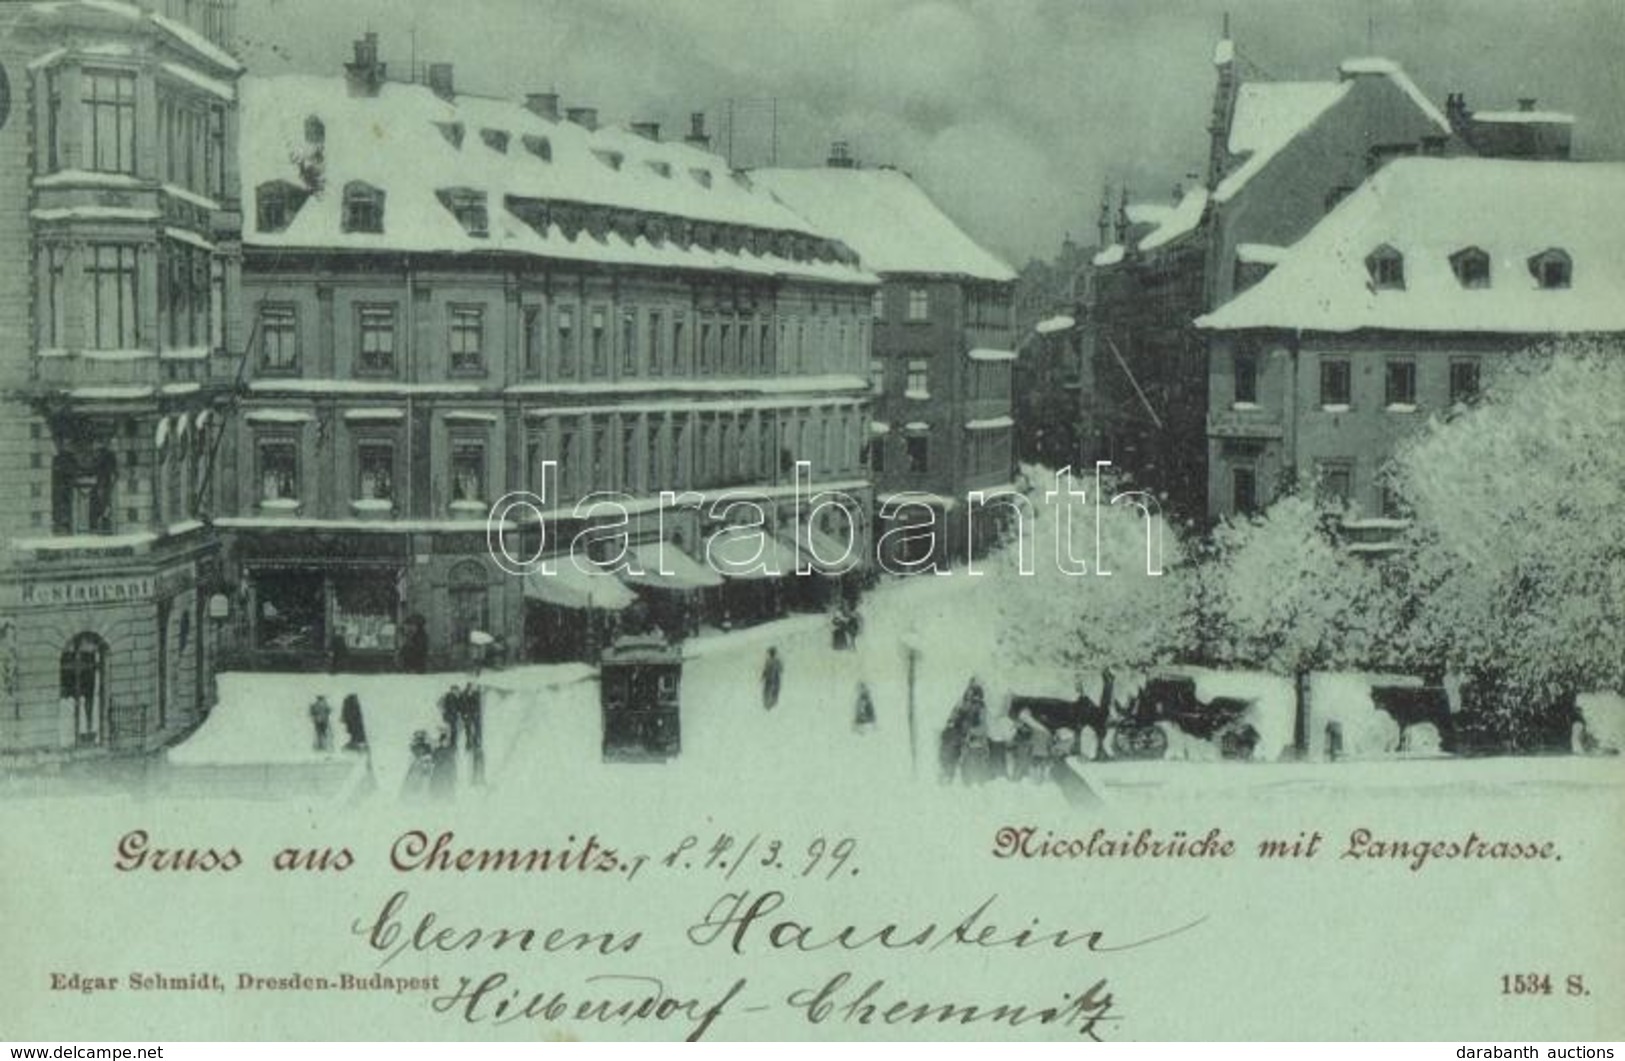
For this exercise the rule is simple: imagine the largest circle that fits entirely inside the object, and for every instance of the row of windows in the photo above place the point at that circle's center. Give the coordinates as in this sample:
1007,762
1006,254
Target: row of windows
988,451
632,454
1337,380
916,303
363,210
660,342
1551,268
191,134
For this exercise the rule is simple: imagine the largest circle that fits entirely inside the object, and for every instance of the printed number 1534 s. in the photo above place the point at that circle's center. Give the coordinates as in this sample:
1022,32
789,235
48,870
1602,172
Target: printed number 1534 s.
1540,984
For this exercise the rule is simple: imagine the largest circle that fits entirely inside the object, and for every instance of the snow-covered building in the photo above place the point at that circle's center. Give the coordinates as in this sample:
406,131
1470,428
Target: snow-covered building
1396,308
1282,154
449,291
942,357
118,313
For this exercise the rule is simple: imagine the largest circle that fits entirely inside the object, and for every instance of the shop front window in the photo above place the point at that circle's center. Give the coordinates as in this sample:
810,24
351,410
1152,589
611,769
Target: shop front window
364,612
289,612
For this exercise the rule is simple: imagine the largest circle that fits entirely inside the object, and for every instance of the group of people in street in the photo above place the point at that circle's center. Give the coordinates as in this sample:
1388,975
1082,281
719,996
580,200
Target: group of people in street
977,745
433,772
350,717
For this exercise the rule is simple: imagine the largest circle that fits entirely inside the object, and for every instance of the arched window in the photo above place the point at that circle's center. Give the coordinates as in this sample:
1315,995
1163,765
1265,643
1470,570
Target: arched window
84,687
1472,267
468,589
1386,267
363,207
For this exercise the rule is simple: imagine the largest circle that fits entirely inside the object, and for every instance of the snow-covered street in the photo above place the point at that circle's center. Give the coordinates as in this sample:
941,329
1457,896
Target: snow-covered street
542,728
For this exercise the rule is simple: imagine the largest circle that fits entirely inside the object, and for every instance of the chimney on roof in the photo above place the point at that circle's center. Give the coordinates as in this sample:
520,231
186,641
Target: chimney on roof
840,156
1456,112
442,80
697,136
647,130
1526,104
543,105
365,74
586,117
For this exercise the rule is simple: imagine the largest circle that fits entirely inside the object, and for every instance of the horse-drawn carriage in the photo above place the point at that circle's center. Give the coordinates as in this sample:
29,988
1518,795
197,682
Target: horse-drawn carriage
1141,730
639,685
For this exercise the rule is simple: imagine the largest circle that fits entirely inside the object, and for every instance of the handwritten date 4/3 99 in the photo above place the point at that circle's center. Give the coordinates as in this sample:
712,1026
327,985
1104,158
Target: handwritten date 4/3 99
726,853
1541,984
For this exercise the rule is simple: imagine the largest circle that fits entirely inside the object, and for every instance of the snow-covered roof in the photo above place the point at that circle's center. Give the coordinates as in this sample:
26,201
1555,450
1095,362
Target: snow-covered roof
888,219
1110,256
1269,115
1376,66
1182,219
1522,117
1428,209
1260,253
1054,324
413,146
1147,213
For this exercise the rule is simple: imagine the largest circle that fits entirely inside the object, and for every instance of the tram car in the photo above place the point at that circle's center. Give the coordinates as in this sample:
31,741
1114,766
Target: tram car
640,681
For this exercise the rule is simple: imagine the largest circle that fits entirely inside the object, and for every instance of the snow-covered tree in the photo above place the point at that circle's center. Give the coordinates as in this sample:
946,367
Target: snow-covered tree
1518,543
1278,592
1067,614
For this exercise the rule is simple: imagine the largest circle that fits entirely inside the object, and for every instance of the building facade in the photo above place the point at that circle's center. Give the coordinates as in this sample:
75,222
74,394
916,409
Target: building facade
1396,309
490,297
940,367
118,321
1281,155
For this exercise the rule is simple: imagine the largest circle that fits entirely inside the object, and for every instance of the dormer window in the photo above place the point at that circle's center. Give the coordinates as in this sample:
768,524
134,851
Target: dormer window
363,207
1386,267
315,131
661,168
612,159
1552,269
1472,267
539,146
276,203
452,131
468,207
701,175
495,139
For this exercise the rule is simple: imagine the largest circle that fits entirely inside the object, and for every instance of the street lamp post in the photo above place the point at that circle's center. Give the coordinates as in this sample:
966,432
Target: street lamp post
911,654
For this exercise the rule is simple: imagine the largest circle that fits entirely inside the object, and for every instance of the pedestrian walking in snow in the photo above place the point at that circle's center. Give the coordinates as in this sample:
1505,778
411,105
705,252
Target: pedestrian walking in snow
320,713
772,679
451,711
863,715
420,773
443,775
355,728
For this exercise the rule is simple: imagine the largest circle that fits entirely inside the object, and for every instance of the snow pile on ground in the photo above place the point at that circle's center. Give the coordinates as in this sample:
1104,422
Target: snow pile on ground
1344,699
1604,715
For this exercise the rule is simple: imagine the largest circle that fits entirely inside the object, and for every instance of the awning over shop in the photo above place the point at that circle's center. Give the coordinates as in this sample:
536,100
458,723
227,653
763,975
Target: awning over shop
828,553
683,573
750,553
571,587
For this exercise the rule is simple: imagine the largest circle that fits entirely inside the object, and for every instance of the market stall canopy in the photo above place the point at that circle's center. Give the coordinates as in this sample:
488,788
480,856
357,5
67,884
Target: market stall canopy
681,570
569,586
750,553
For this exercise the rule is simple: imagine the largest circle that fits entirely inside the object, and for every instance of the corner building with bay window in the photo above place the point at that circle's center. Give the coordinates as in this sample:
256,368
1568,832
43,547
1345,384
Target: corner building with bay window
447,291
118,322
